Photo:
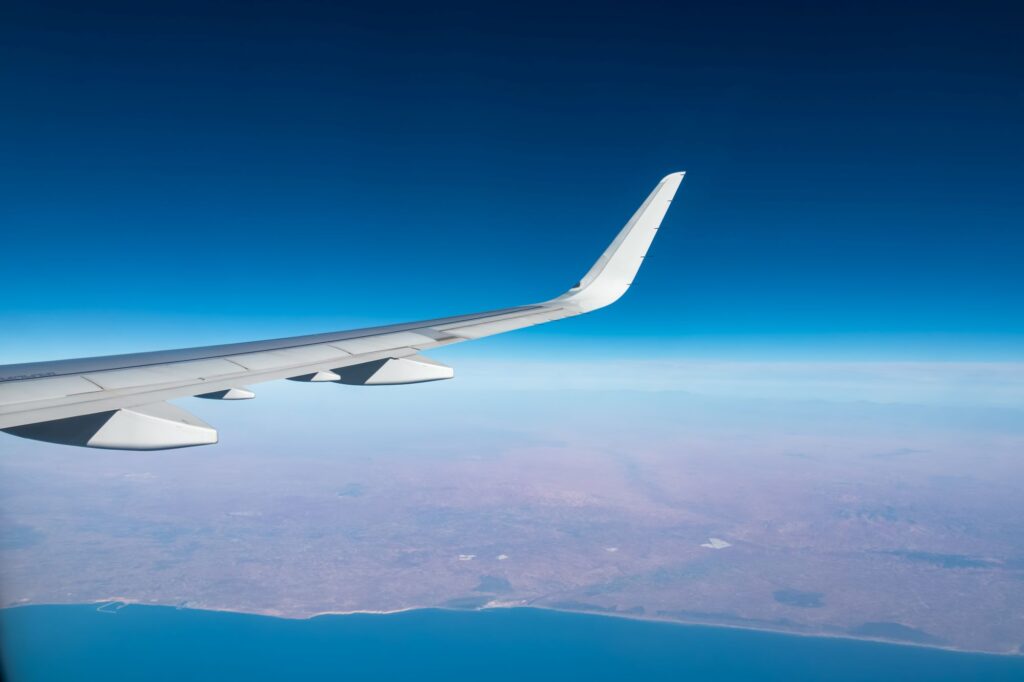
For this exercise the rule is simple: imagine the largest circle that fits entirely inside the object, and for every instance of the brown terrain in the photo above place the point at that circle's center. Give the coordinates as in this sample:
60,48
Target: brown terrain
895,522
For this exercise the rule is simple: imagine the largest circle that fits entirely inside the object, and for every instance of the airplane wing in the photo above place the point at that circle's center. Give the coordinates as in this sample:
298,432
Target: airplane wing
119,401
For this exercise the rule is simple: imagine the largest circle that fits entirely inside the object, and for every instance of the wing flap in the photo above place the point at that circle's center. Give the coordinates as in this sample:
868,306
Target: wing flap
191,370
382,342
476,331
505,323
300,356
30,390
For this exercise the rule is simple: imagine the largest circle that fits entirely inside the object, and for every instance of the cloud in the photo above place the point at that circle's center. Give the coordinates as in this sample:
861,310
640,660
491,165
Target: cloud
945,383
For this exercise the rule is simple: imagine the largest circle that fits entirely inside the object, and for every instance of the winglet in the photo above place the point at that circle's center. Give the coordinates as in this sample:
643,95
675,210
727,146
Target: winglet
614,271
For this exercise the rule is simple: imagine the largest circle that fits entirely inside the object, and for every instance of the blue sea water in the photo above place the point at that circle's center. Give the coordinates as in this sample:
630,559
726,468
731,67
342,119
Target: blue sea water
45,643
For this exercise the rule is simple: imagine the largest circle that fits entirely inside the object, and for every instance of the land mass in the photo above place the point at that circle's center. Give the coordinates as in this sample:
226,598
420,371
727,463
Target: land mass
787,520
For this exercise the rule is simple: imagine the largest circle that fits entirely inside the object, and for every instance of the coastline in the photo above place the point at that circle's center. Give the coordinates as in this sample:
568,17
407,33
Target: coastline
100,603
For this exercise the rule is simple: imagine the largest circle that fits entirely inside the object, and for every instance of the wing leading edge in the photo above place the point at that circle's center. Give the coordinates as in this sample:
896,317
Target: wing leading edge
117,401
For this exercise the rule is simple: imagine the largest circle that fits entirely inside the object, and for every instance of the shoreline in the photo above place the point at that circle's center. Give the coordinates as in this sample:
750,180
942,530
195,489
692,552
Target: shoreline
500,606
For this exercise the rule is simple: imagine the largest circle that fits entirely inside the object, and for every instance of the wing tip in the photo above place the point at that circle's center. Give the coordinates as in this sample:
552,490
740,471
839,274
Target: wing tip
614,271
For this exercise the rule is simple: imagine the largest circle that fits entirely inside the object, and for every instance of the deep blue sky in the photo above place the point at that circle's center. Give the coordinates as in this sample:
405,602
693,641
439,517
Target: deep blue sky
191,175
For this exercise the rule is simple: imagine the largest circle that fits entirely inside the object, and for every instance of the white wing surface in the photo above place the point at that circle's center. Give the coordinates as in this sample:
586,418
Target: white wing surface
118,401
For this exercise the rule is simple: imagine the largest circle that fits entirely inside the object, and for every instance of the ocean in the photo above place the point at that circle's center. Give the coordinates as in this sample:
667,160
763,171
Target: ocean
79,642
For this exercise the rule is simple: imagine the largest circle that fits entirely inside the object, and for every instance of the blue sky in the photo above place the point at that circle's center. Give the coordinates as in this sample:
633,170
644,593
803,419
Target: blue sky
182,175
